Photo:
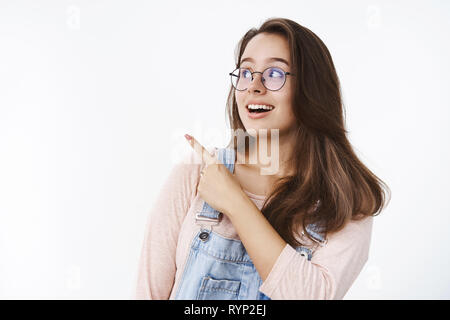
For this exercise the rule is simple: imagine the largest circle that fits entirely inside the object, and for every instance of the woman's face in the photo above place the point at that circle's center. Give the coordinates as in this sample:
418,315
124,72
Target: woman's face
260,49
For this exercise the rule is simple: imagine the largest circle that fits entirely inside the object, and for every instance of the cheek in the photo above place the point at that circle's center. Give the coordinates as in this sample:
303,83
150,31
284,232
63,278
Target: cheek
288,112
239,100
285,117
288,115
240,106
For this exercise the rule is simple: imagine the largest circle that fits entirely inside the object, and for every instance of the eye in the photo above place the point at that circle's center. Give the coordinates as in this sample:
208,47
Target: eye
245,73
275,73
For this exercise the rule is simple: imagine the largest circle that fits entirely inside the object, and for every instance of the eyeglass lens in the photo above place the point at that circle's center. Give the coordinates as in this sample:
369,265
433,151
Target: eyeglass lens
272,78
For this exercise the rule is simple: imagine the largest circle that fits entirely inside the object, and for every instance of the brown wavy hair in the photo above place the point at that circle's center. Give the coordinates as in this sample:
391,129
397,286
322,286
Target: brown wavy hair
331,185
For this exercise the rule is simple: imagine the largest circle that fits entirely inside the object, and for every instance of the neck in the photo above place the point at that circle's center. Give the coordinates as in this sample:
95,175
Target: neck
270,154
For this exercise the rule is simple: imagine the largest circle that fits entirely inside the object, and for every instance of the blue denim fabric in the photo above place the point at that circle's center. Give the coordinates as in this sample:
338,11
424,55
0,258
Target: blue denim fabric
220,268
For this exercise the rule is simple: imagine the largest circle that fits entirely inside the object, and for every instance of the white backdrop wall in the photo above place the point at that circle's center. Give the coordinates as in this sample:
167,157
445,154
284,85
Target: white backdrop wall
95,97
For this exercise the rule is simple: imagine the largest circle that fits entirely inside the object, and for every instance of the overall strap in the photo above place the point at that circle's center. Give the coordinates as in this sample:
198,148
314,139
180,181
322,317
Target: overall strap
317,234
227,157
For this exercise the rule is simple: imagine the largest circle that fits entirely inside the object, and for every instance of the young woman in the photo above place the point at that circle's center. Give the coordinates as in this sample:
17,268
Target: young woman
221,228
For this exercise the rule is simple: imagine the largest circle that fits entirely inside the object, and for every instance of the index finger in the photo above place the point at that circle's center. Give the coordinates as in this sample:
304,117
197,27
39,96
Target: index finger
200,150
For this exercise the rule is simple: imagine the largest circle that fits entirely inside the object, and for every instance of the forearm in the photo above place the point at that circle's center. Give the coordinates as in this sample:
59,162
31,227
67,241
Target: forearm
262,242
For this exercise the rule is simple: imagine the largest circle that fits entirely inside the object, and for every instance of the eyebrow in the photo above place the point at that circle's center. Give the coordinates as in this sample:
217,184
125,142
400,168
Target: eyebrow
268,59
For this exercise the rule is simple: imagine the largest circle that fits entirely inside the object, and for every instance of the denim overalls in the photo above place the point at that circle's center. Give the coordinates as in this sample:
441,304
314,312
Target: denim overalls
219,268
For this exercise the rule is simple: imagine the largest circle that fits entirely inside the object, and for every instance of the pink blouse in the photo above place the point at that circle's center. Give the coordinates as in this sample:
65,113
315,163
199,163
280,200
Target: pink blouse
171,226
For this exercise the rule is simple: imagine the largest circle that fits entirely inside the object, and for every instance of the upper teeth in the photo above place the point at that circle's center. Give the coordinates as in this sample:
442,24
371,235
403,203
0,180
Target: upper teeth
259,106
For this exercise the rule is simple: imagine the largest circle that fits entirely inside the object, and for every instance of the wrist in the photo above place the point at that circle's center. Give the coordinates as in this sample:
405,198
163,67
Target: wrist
240,204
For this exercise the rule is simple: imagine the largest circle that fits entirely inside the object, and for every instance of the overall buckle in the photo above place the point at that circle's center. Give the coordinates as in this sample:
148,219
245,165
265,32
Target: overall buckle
208,222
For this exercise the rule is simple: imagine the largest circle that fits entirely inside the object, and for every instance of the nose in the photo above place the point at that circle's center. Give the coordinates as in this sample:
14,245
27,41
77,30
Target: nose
256,83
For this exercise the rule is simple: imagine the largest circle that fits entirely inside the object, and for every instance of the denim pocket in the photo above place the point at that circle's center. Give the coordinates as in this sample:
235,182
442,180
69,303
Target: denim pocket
213,289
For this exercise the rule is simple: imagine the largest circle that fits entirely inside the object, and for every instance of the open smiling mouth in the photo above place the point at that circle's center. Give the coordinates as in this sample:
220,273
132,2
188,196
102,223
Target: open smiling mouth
258,111
259,108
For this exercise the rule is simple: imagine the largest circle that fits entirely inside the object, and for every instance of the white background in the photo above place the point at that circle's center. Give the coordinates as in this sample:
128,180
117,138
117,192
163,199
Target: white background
95,97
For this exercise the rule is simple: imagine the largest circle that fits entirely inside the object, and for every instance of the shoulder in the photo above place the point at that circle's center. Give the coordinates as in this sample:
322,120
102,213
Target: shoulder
357,227
184,174
360,224
353,239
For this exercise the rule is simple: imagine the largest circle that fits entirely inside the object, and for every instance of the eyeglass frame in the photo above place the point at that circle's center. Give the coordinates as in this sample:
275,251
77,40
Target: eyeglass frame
285,74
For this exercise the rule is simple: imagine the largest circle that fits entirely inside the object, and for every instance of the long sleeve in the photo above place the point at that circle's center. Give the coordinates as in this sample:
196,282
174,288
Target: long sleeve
331,271
157,267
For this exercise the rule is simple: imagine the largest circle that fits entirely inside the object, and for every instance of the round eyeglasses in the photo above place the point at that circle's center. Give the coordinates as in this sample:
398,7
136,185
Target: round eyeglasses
272,78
